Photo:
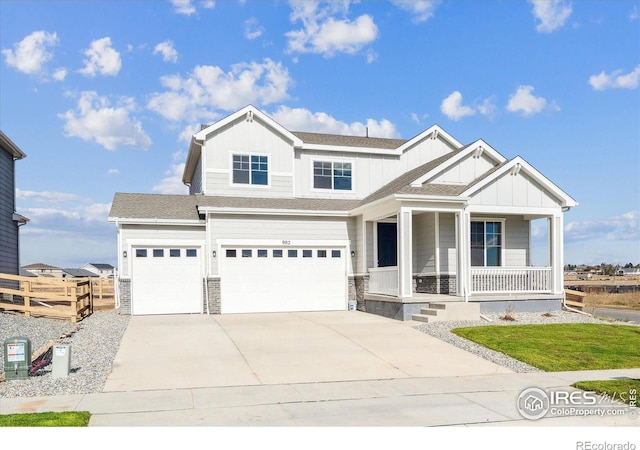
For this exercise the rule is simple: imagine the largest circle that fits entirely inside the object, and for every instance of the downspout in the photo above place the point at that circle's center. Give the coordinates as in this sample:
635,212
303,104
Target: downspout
207,269
116,275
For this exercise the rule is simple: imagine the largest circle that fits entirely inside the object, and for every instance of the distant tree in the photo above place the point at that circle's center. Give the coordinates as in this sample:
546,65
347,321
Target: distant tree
628,266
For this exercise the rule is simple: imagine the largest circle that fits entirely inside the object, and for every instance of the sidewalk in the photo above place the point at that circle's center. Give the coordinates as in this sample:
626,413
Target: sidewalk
482,400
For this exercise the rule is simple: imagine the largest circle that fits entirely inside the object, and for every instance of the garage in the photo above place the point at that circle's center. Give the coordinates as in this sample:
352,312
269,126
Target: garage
279,279
166,280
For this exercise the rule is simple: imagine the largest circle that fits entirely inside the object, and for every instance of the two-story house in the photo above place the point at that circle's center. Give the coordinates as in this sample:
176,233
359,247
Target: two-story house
10,221
278,220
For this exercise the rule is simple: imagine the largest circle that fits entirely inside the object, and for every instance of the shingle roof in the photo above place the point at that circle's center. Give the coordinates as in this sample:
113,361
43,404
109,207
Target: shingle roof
39,266
102,266
79,273
296,204
348,141
154,206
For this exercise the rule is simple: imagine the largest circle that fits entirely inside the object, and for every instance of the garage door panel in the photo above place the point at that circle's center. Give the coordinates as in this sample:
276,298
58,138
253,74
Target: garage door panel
166,284
273,284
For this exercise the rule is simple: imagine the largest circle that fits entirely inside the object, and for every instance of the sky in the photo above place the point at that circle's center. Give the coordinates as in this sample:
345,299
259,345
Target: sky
103,97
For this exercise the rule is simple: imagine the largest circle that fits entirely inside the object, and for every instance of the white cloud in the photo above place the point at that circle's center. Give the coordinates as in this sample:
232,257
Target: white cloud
60,74
187,8
453,108
326,30
32,53
96,120
615,80
199,95
634,15
622,227
550,14
421,10
525,102
113,172
102,59
300,119
252,29
167,51
45,196
172,182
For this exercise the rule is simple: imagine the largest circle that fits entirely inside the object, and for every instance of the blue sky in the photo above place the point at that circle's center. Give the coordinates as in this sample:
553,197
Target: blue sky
102,97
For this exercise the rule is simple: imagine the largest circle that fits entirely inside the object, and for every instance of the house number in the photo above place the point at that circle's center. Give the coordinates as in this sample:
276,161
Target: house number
286,242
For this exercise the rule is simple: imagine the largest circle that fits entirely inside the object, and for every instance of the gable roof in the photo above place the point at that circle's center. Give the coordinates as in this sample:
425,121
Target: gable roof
100,266
79,273
153,207
9,146
338,140
40,266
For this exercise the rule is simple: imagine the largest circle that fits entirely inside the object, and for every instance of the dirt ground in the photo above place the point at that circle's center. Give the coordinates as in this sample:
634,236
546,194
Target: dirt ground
625,280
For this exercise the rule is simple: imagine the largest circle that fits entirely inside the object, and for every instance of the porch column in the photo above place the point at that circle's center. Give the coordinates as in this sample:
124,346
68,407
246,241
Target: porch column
556,252
462,250
405,260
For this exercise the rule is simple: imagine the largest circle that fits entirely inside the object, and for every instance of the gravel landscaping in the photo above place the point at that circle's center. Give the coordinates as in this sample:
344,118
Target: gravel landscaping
442,330
94,342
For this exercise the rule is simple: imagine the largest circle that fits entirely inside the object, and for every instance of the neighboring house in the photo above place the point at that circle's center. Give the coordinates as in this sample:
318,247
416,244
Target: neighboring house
278,220
44,270
10,221
100,269
628,271
77,273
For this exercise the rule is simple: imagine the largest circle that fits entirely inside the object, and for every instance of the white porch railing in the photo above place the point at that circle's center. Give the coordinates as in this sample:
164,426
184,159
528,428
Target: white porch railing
383,280
511,279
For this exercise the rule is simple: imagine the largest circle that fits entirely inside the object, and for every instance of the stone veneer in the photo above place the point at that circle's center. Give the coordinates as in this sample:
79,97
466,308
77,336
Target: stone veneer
213,287
434,284
358,287
125,296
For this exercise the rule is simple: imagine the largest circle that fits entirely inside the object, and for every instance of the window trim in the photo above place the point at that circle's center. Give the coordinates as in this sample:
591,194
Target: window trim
484,221
250,184
333,162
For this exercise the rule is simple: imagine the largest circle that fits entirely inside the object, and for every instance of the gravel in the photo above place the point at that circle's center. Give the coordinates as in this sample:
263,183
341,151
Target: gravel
94,342
442,330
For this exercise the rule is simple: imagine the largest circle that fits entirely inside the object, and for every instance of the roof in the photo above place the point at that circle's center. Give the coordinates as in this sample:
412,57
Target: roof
101,266
39,266
10,146
79,273
154,206
348,141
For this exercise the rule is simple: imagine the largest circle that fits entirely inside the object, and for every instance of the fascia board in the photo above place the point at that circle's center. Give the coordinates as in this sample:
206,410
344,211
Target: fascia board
273,212
441,135
153,221
495,155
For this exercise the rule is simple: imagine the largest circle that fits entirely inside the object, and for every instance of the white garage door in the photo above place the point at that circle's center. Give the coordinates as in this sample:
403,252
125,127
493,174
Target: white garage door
166,280
264,279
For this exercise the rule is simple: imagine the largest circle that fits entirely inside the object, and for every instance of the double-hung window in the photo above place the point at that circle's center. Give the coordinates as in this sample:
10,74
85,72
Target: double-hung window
332,175
251,169
486,243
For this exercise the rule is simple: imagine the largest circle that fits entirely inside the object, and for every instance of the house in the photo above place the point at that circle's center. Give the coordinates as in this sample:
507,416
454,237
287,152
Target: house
10,221
100,269
628,271
77,273
278,220
44,270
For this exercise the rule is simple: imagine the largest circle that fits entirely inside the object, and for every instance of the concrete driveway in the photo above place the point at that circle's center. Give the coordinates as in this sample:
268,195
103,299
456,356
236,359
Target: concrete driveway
197,351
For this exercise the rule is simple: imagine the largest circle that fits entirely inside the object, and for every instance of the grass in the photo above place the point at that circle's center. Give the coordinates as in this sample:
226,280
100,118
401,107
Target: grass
630,300
560,347
47,419
626,390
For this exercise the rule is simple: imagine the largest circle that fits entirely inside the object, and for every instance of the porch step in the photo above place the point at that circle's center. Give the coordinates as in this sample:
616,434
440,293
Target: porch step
448,311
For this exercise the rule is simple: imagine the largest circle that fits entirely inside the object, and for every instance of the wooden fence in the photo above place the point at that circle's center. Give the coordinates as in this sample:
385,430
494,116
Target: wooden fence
46,297
575,299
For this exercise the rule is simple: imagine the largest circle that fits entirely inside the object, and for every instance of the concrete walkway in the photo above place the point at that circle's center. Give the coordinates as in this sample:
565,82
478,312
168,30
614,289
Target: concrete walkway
308,369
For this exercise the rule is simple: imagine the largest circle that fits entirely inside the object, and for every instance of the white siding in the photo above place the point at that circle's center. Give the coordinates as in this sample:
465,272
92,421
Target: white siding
514,190
516,242
151,233
285,228
424,243
465,171
219,183
448,255
196,182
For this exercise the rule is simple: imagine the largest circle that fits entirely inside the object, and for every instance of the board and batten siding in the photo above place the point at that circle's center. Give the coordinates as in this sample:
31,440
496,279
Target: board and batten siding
155,234
448,252
465,171
424,243
283,228
516,242
514,191
9,258
247,138
196,182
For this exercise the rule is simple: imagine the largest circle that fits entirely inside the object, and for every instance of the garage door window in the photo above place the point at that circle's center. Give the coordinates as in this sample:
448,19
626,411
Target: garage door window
174,253
335,253
322,253
141,253
277,253
292,253
192,253
231,253
262,253
158,253
307,253
247,253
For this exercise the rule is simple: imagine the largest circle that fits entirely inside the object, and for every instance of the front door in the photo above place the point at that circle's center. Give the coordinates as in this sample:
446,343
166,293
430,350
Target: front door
387,244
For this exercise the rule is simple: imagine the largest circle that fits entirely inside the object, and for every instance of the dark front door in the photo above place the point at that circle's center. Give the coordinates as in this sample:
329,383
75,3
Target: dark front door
387,244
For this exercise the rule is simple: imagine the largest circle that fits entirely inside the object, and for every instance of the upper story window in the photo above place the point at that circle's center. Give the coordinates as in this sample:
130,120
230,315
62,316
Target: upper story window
332,175
486,243
251,169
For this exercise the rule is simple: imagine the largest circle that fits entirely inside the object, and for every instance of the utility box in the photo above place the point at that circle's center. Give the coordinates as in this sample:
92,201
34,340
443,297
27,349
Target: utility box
61,361
17,358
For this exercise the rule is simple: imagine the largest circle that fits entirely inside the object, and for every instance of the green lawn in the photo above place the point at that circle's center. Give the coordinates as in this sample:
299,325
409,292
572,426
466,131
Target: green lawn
47,419
560,347
626,390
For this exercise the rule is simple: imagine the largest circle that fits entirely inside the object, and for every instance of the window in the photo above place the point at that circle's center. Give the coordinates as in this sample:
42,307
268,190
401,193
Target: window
158,253
231,253
486,243
247,253
251,169
192,253
322,253
262,253
277,253
332,175
141,253
307,253
292,253
174,253
335,253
